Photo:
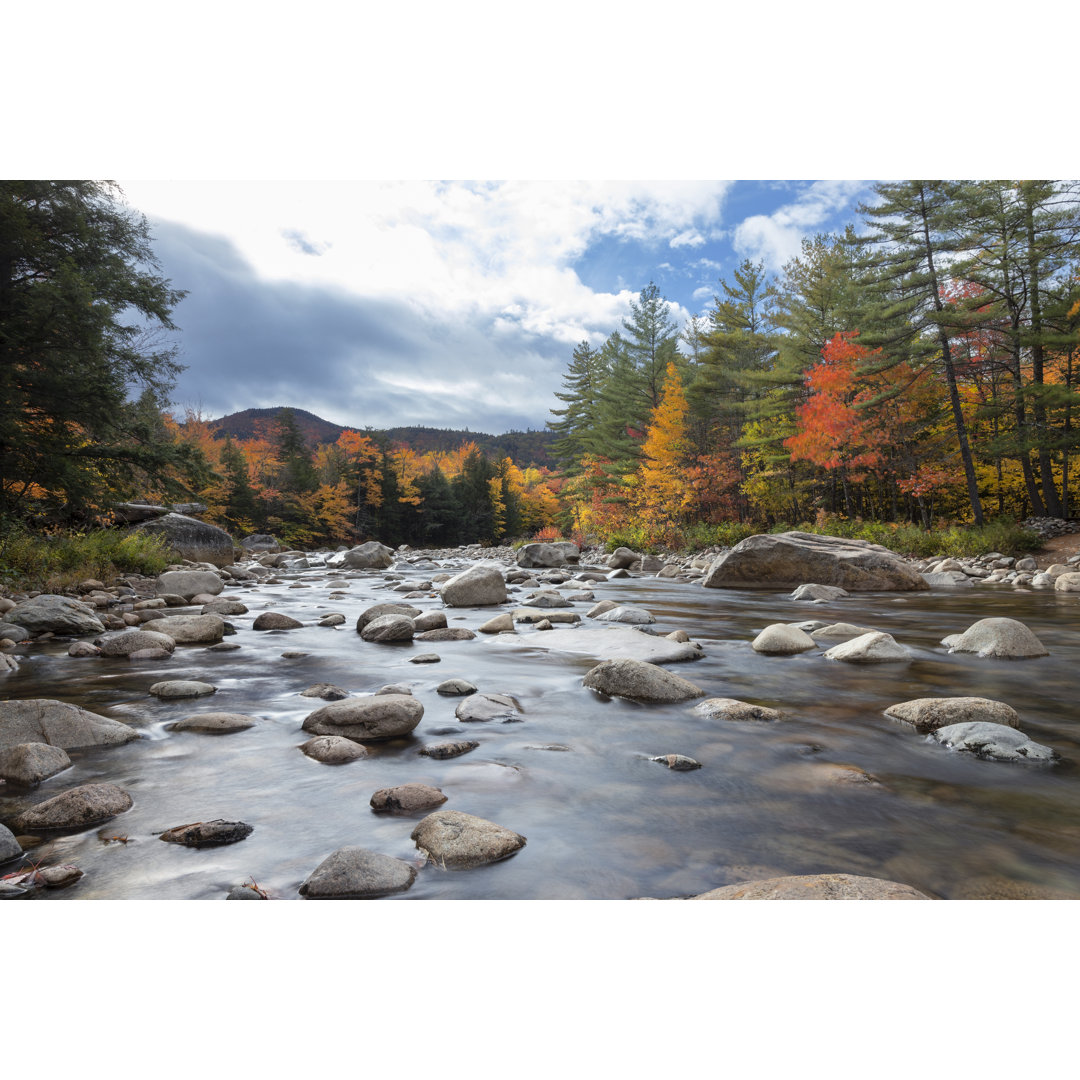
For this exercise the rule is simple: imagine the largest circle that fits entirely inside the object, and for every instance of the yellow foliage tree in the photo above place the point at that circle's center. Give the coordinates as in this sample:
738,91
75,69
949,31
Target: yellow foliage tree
663,492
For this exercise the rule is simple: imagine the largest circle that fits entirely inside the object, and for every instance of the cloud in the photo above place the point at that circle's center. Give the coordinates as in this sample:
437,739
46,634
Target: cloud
296,239
777,237
687,238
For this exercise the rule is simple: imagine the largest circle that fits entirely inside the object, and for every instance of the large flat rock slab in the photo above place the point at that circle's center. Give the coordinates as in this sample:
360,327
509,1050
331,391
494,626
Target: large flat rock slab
58,723
816,887
605,643
787,560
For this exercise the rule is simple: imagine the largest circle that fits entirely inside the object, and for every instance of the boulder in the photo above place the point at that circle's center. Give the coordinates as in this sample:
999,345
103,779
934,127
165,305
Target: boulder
430,620
275,620
481,585
197,541
997,637
226,607
500,624
733,709
369,556
382,716
442,751
10,848
261,543
388,628
58,724
549,598
949,579
626,613
407,798
326,691
535,615
30,763
483,707
378,610
995,742
869,648
548,554
816,887
1069,582
929,714
639,681
207,833
779,639
189,629
818,592
48,613
677,762
457,841
172,689
131,513
354,873
622,558
215,723
333,749
840,631
455,688
446,633
786,560
126,642
189,583
89,804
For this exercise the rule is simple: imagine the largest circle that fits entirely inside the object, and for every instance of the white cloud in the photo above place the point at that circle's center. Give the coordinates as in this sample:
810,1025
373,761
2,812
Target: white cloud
777,237
687,238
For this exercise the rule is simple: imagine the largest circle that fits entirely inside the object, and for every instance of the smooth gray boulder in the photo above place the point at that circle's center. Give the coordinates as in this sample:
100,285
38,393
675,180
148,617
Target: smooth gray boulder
458,841
622,558
223,607
49,613
126,642
389,628
29,764
58,724
369,556
207,833
997,637
995,742
276,620
367,719
446,633
9,846
787,560
816,887
88,804
1069,582
483,707
499,624
189,583
481,585
189,629
840,631
639,681
430,620
559,553
455,688
354,873
818,592
191,539
948,579
333,749
779,639
929,714
733,709
172,689
407,798
626,613
379,610
870,648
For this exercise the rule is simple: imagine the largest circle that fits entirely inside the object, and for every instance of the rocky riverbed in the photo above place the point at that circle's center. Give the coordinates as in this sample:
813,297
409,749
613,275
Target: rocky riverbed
483,723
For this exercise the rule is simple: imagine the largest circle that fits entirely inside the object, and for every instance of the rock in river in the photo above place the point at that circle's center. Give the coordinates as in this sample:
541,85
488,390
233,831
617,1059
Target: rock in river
382,716
48,613
189,583
640,682
481,585
779,639
816,887
387,628
58,724
215,723
207,833
787,560
407,797
369,556
189,629
79,806
457,841
606,643
126,642
488,707
10,848
997,637
31,763
626,613
172,689
275,620
378,610
354,873
677,762
869,648
442,751
333,749
732,709
929,714
995,742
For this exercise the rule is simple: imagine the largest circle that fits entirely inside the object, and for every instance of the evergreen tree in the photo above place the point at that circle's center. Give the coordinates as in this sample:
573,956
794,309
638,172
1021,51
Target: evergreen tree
240,497
582,386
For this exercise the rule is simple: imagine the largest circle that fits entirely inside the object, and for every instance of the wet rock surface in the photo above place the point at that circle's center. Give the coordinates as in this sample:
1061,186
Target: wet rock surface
640,682
58,723
816,887
207,833
407,798
88,804
457,841
354,873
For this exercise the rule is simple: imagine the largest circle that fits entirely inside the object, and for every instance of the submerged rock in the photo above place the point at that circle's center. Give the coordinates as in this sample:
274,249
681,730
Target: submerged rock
487,707
678,762
929,714
442,751
458,841
818,592
995,742
606,643
733,709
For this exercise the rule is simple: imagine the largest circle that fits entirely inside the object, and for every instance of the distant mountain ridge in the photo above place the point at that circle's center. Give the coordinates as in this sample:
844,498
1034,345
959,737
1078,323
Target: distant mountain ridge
523,447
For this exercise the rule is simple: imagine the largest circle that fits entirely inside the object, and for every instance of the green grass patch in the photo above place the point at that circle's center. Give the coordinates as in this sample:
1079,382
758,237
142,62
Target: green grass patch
58,561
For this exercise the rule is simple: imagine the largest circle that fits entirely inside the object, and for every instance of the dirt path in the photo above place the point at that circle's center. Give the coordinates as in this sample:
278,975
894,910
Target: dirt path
1057,549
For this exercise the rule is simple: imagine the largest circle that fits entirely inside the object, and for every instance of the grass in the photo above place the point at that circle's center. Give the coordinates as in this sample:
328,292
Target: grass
53,562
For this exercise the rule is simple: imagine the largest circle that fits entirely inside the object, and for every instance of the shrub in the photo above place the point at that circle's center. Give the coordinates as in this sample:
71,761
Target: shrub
58,561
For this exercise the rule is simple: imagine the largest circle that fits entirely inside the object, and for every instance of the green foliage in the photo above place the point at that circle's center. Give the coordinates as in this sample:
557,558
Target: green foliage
57,561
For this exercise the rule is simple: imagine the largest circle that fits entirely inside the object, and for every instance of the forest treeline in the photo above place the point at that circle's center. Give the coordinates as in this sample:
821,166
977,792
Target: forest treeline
918,366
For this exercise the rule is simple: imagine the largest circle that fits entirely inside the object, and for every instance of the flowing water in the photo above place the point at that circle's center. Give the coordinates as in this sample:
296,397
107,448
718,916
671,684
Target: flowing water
601,820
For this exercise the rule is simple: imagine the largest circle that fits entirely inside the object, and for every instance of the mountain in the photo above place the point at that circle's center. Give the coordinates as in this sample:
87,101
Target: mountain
523,447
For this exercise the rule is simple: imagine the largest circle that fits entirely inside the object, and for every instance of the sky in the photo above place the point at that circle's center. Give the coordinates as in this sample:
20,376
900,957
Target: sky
443,303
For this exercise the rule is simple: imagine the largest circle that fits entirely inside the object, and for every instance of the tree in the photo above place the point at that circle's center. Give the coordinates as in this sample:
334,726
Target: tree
663,493
582,385
82,306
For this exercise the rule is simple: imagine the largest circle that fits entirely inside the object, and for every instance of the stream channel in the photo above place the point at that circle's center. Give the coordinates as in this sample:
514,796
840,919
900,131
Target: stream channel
601,820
